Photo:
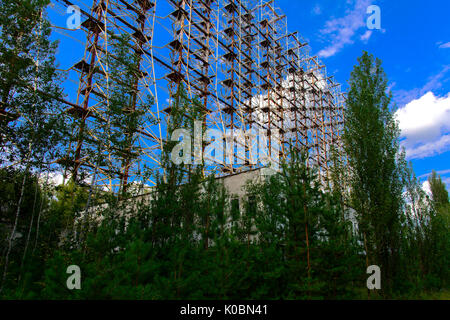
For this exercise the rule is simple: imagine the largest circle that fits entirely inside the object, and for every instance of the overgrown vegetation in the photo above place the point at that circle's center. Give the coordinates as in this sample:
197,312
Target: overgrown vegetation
291,236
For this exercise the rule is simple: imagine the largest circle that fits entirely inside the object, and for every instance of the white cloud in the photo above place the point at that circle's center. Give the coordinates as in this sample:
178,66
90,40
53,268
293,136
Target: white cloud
429,149
442,172
435,82
366,36
445,46
56,178
317,10
343,29
424,119
426,188
424,124
261,101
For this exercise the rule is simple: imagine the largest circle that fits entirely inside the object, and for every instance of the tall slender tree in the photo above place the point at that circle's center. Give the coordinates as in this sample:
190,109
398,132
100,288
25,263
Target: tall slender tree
30,85
371,142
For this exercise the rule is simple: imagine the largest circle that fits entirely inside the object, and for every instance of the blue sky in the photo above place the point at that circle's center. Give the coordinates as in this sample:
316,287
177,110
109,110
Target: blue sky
413,43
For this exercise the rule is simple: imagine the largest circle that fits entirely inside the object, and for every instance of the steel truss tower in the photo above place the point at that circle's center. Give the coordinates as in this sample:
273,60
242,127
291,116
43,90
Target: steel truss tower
237,57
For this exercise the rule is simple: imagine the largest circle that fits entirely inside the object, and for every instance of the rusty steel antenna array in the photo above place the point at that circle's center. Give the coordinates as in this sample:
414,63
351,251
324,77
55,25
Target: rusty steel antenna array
236,57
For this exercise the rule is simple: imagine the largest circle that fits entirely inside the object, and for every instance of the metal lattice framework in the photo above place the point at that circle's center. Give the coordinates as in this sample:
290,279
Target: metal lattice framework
236,57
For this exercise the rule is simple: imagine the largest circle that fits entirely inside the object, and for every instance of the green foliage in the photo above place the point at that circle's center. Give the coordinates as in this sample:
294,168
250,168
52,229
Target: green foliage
10,185
424,244
307,226
29,85
371,143
183,243
289,237
402,231
438,190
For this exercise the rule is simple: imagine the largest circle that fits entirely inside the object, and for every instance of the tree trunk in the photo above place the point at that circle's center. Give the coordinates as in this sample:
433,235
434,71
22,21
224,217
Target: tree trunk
367,258
305,209
31,224
22,190
39,214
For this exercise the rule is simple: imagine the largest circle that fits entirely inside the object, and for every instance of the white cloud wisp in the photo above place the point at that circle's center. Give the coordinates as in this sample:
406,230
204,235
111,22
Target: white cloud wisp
343,29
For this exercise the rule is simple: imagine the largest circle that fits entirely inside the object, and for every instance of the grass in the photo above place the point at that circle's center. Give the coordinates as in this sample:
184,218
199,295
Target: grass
443,294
